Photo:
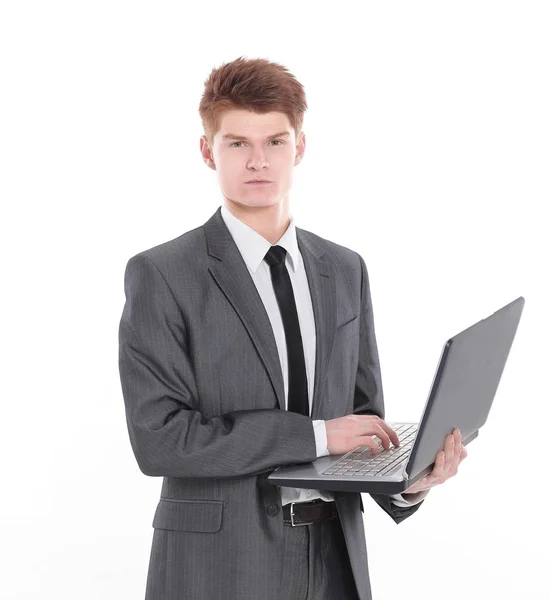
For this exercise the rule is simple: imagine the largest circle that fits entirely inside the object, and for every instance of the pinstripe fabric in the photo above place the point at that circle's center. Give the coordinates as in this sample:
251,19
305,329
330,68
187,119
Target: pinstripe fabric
316,564
203,392
296,551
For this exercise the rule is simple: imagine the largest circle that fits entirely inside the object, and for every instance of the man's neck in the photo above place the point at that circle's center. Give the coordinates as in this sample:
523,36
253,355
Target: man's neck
269,221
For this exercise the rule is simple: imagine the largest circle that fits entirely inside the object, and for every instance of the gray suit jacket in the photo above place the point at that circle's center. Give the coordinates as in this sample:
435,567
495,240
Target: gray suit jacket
203,391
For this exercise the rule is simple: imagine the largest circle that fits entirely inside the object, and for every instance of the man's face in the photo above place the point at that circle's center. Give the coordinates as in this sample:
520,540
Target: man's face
263,146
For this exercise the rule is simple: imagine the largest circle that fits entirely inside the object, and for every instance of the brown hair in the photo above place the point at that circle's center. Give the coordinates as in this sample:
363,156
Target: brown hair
254,84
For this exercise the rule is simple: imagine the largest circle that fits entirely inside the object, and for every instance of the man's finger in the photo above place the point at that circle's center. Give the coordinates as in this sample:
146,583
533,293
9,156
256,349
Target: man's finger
439,464
368,440
449,453
419,485
458,453
383,435
458,447
453,463
390,432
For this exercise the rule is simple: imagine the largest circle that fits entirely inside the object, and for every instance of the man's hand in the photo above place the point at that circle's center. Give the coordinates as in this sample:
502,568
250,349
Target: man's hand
344,434
446,464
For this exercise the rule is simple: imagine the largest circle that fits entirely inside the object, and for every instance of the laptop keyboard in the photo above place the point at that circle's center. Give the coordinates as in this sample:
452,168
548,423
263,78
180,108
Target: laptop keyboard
361,461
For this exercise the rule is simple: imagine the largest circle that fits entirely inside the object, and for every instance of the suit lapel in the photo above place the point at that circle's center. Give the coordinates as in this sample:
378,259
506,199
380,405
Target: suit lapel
231,274
322,288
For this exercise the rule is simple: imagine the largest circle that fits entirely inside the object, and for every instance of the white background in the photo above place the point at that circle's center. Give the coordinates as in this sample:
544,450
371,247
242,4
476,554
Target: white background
427,152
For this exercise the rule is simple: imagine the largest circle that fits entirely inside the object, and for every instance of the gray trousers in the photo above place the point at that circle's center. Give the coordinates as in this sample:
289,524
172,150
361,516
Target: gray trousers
316,563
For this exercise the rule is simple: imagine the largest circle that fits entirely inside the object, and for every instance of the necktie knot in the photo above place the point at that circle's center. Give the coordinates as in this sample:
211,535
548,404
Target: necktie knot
275,255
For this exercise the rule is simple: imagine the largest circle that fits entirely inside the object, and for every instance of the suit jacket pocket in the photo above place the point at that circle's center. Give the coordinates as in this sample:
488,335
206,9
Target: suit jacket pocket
346,321
189,515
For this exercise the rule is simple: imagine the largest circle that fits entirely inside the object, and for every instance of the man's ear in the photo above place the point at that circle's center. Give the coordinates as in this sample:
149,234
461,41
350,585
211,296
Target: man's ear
300,148
207,153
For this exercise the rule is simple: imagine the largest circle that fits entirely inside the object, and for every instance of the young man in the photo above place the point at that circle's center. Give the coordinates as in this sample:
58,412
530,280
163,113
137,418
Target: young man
246,344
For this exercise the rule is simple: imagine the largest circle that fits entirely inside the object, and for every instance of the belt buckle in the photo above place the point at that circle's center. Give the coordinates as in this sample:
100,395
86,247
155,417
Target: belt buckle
292,516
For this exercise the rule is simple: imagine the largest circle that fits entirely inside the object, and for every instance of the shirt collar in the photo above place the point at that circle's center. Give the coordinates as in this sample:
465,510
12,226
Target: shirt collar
254,246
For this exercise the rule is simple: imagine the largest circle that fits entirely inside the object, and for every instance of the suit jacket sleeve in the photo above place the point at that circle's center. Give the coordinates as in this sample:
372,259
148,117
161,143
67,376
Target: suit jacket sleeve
168,433
369,395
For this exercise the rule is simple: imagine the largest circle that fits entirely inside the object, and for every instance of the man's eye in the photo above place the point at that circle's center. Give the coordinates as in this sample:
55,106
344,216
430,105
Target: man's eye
280,142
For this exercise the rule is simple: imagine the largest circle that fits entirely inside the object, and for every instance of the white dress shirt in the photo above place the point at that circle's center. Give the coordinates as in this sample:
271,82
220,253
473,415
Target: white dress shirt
253,248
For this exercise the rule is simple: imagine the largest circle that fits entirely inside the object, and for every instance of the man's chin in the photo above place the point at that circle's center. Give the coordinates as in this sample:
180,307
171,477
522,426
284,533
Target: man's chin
255,202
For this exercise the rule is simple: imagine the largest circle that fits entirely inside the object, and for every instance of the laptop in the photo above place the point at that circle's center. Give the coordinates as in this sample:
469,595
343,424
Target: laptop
462,392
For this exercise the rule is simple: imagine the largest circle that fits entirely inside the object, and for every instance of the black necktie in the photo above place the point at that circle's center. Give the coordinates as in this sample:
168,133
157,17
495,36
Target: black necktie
297,380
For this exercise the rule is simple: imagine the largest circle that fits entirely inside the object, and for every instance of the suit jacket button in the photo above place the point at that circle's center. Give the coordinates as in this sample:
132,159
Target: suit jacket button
272,510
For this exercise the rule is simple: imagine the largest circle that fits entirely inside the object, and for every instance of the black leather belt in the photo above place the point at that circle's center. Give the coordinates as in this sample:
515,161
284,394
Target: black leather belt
306,513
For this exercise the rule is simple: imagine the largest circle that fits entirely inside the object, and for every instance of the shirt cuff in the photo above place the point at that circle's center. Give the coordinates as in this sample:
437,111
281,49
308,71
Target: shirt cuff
409,500
320,431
